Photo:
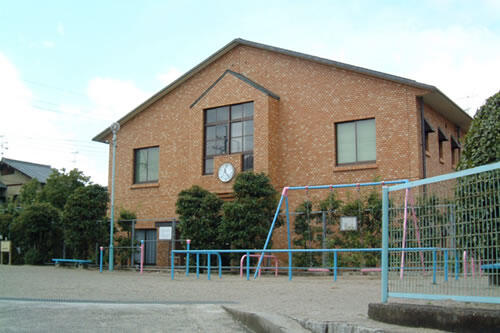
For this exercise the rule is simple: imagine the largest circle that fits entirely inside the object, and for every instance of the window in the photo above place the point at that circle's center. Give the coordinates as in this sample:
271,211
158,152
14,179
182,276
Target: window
427,129
441,138
356,142
455,151
146,165
229,130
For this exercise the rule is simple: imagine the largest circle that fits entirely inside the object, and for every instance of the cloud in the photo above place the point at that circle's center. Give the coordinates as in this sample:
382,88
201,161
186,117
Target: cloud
171,75
48,44
60,29
25,126
113,98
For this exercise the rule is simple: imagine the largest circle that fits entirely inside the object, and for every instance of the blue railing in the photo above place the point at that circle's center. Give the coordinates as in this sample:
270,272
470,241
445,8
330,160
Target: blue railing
247,252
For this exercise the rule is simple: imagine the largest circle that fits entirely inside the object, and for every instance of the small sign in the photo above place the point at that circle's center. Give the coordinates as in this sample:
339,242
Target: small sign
165,233
348,223
5,247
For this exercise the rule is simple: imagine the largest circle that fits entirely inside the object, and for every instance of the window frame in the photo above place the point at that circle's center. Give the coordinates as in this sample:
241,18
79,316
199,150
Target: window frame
227,144
135,166
355,142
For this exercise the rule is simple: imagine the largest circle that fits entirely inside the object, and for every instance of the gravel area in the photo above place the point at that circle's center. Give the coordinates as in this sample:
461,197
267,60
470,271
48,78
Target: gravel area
305,297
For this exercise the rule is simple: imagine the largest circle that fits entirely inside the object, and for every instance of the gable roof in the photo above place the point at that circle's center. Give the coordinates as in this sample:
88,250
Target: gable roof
242,78
435,98
33,170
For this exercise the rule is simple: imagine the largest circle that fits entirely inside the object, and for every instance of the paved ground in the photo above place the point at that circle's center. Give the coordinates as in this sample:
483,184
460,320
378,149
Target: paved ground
153,302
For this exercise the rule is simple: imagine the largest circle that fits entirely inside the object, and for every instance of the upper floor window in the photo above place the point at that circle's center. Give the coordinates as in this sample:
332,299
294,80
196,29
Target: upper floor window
356,142
427,129
441,138
229,130
146,165
455,151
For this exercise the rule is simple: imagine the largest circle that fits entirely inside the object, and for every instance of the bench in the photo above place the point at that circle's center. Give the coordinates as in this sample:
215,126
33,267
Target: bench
493,271
76,262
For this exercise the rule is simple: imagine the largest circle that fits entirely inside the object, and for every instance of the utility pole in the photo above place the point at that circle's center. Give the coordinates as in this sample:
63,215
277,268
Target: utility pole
114,128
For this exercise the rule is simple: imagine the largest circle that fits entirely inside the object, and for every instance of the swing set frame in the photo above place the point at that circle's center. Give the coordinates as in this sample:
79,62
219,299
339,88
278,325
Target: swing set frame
284,198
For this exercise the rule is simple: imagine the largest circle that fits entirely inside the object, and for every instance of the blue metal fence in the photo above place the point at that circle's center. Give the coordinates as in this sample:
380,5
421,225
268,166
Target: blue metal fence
334,268
456,219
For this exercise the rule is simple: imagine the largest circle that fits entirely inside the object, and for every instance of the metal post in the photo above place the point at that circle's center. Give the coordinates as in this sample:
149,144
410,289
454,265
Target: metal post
446,265
248,265
385,243
142,254
220,265
271,229
100,261
197,265
188,242
172,267
132,241
114,128
289,239
324,256
335,266
434,267
208,265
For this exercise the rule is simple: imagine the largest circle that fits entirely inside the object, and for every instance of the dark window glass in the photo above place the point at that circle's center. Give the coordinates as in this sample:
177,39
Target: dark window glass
228,130
223,113
209,166
146,161
211,116
248,110
210,133
237,145
247,162
248,143
236,129
237,112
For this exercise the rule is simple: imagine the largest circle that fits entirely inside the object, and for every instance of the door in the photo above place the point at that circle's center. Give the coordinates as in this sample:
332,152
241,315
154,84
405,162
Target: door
149,237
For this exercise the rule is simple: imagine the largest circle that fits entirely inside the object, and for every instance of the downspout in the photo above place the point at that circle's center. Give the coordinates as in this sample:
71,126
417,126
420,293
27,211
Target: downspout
420,100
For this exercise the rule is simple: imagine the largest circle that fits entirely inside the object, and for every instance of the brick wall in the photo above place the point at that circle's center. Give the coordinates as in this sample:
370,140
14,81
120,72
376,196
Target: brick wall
294,137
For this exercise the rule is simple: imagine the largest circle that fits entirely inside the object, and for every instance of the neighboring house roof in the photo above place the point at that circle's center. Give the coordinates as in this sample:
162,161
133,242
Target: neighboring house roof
2,185
435,98
33,170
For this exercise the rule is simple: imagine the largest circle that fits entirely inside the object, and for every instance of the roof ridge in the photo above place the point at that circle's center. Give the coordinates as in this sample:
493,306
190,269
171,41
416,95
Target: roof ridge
25,162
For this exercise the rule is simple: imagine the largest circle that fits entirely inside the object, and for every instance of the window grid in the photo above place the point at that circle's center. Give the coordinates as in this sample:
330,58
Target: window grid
229,134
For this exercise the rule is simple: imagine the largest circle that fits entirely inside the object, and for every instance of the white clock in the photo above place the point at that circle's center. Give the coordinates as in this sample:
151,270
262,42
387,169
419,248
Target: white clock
226,172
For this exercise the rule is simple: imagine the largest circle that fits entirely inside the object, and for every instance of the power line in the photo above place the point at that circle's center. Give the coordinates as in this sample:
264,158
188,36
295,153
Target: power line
67,91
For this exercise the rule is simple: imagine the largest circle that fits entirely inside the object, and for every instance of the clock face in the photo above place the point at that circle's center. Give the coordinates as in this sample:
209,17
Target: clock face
226,172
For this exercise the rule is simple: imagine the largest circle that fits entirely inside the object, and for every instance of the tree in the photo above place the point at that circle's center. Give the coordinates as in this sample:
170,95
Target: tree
477,211
199,217
84,213
29,192
482,142
36,231
247,219
60,185
124,240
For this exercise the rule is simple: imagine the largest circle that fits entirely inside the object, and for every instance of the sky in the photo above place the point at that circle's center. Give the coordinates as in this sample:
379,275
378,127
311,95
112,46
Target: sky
68,69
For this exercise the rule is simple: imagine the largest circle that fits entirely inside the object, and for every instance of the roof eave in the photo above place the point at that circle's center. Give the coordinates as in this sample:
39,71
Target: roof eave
447,108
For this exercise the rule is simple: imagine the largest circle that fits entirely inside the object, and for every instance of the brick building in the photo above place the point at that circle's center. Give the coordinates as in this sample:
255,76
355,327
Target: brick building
301,119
